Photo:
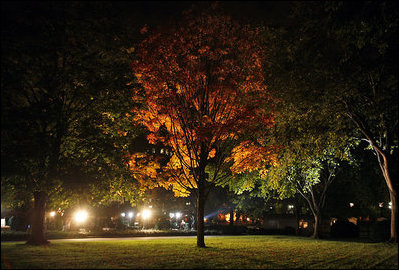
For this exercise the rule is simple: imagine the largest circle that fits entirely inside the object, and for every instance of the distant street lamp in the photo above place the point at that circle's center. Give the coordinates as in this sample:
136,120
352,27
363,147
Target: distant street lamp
130,215
146,214
81,216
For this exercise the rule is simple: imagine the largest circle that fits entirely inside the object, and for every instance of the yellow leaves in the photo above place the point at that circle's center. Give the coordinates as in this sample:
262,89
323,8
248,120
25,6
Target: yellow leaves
130,50
174,162
109,116
178,190
122,133
248,157
179,89
144,168
212,153
138,76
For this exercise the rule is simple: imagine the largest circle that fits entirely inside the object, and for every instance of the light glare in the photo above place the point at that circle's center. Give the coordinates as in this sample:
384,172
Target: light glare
81,216
146,214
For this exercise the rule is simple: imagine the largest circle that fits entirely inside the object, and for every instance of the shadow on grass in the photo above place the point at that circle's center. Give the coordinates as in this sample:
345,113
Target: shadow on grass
354,240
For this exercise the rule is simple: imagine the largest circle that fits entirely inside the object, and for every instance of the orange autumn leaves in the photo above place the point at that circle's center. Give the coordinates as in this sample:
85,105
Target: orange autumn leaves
202,85
248,157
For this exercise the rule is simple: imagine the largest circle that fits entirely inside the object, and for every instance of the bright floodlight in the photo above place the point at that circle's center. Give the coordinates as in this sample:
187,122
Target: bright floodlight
178,215
171,215
123,214
146,214
81,216
130,214
52,213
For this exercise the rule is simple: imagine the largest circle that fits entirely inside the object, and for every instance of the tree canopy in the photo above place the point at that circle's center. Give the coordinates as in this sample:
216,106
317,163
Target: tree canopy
63,103
203,90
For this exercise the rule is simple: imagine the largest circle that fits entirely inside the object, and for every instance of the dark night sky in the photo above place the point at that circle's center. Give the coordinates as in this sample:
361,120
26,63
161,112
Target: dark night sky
157,11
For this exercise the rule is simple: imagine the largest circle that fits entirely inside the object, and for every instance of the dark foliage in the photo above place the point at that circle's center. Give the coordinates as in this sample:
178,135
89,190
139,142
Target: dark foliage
344,229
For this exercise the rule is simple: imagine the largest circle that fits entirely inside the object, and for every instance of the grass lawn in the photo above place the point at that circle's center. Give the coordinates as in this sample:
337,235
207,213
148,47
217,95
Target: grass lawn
260,251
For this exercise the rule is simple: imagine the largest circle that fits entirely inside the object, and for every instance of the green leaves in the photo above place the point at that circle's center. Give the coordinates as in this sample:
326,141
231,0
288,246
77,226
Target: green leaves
63,71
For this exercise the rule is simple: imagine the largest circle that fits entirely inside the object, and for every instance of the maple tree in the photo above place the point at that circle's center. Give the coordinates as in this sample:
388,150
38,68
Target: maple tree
203,92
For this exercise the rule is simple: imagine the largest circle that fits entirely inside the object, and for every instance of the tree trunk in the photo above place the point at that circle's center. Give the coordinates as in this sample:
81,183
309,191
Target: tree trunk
384,161
317,226
394,218
37,236
232,216
200,214
297,217
387,173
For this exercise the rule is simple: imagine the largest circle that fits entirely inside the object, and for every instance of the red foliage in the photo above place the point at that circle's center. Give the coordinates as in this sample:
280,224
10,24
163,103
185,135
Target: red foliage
203,82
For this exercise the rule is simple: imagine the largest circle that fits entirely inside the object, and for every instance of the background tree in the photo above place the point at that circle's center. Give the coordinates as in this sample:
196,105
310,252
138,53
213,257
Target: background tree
252,203
202,87
312,141
62,71
345,54
312,181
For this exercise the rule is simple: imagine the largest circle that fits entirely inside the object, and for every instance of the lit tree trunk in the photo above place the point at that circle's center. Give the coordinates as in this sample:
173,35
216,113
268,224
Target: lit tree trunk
381,151
383,162
316,213
386,172
394,218
317,225
316,205
37,236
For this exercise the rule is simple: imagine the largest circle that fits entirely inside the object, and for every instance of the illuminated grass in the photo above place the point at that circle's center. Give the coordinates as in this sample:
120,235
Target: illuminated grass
222,252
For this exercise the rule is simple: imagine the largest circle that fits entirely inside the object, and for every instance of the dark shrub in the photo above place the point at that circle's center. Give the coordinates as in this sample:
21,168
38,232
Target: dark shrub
225,229
17,223
162,225
235,230
343,228
289,231
119,224
14,236
285,231
380,231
